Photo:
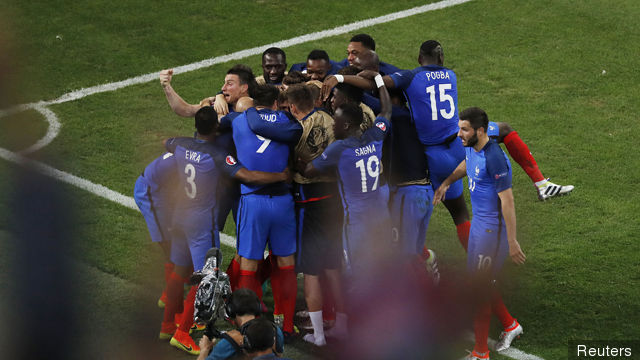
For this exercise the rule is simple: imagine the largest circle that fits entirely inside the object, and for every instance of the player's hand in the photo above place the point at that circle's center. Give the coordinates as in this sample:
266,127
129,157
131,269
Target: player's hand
220,105
165,77
516,253
368,74
208,101
441,191
288,176
206,344
329,83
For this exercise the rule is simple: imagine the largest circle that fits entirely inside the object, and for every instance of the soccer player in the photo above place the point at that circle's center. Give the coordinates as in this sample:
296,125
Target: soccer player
493,227
431,91
199,166
356,158
274,66
359,44
154,195
318,65
263,137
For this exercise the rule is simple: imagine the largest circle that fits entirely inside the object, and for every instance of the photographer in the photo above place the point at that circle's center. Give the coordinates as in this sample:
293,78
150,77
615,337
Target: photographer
258,339
243,306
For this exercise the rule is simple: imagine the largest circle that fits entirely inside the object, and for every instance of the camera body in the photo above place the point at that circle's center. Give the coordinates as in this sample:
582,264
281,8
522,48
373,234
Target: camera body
213,290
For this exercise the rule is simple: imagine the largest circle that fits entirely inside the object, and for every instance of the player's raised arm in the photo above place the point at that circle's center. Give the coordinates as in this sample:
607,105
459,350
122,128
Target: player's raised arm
456,175
177,104
509,213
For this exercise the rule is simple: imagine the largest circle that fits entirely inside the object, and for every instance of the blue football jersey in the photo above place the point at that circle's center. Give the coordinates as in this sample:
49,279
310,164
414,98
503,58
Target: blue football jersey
358,163
200,165
258,150
432,96
489,172
160,174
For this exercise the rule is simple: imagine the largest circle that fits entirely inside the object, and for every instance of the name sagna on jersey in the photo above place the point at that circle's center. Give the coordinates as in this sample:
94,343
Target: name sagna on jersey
365,150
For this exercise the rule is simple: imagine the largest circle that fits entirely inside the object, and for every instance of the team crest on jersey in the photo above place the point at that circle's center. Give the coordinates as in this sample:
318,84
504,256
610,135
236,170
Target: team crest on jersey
230,160
381,126
477,171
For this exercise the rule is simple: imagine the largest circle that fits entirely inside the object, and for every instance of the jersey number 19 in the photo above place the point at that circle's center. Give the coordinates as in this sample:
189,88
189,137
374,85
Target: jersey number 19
373,172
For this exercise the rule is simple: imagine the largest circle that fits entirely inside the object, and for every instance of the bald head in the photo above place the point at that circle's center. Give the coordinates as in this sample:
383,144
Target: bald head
367,60
243,104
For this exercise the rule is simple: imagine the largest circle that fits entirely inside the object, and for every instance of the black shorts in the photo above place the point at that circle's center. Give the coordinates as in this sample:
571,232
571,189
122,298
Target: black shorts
319,216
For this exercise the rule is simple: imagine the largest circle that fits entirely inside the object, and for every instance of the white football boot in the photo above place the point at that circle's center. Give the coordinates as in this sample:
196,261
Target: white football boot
507,336
548,189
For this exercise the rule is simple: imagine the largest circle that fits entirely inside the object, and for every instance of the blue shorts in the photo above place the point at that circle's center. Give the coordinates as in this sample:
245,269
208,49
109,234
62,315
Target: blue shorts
488,247
262,219
154,209
191,243
365,231
442,160
411,208
493,130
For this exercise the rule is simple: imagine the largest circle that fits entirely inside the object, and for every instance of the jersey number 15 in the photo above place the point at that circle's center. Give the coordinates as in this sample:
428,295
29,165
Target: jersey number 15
444,98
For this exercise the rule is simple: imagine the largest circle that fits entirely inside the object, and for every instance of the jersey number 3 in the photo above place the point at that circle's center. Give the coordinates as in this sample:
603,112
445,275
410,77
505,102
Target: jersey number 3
190,188
444,97
373,172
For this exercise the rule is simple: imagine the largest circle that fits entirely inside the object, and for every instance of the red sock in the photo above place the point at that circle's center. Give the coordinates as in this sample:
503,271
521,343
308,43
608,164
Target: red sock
186,321
287,287
248,280
519,151
463,233
168,269
174,297
328,301
481,322
234,272
275,286
500,310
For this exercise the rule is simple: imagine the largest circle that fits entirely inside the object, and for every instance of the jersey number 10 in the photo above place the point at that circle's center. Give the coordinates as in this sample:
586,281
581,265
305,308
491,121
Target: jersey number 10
374,173
444,98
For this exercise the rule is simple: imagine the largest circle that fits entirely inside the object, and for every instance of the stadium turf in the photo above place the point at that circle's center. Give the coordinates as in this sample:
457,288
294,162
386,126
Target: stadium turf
562,73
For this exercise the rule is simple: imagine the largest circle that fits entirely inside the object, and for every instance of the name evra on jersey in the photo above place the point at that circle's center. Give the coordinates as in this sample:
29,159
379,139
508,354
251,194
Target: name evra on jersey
192,156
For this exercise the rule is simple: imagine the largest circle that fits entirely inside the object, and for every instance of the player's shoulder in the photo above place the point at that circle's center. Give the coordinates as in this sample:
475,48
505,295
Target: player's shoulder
496,159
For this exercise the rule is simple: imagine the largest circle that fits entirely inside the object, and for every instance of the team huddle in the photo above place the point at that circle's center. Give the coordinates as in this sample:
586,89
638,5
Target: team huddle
337,167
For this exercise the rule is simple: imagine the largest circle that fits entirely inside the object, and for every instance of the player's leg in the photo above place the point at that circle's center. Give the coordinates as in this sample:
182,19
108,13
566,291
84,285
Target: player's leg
520,152
252,229
442,161
181,257
282,240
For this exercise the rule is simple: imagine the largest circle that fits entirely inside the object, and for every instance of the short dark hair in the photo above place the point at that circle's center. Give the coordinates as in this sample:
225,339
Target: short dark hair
431,48
318,55
349,70
353,112
476,117
353,93
275,51
366,40
294,77
206,120
245,74
265,95
244,302
301,96
259,335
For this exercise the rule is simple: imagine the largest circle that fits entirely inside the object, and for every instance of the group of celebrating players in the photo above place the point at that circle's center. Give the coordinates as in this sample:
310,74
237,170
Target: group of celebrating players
306,166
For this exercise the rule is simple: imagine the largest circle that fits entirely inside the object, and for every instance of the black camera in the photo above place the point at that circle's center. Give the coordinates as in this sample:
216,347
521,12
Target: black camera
213,290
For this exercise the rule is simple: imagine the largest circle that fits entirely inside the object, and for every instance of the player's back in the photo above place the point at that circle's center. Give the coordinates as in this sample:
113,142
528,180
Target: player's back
198,177
259,153
489,172
432,96
160,175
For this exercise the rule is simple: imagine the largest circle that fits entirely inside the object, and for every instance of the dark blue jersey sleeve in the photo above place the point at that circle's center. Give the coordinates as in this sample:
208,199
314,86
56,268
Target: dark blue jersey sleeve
372,102
225,122
298,67
498,167
380,130
402,79
228,164
172,143
329,158
282,131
